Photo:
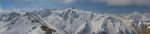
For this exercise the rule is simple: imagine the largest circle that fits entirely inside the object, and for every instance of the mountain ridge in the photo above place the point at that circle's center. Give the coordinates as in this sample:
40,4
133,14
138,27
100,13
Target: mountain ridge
71,21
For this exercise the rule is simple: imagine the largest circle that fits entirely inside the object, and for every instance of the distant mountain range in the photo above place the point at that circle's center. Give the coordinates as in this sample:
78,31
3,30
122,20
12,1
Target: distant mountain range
72,21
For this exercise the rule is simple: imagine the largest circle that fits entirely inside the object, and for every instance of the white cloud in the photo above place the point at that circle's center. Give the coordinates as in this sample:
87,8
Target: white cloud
143,2
119,2
125,2
68,1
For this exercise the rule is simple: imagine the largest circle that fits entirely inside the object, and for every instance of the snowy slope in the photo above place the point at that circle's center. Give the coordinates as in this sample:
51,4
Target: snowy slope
71,21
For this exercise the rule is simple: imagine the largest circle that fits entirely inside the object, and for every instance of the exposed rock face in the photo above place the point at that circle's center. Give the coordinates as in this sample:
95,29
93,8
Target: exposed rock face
146,30
47,30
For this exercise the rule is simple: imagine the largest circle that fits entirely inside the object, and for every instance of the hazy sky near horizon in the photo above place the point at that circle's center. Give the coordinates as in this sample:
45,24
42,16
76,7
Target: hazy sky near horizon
96,5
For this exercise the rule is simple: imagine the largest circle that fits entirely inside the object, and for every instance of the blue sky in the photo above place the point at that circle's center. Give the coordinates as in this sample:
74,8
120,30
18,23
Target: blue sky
93,5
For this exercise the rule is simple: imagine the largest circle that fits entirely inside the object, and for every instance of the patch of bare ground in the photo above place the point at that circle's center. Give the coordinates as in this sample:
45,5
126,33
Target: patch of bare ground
143,30
47,30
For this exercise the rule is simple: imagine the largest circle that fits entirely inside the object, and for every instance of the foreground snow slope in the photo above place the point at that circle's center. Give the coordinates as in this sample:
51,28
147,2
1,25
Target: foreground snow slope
71,21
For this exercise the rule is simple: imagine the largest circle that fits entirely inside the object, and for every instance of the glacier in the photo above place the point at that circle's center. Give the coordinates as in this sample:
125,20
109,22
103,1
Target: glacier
71,21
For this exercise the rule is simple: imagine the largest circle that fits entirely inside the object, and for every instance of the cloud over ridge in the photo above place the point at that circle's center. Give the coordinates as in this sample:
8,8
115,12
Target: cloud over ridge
125,2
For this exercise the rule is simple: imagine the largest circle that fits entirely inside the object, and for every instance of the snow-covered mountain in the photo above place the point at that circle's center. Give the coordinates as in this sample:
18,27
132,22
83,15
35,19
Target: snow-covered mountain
71,21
